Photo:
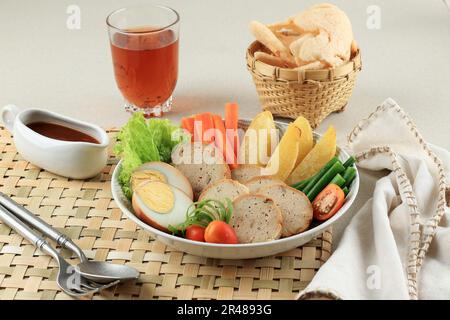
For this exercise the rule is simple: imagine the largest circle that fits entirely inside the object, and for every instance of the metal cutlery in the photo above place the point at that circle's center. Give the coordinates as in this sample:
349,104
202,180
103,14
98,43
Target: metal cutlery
99,271
69,279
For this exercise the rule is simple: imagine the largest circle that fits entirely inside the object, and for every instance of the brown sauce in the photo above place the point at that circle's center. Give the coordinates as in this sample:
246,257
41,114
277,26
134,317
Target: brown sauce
59,132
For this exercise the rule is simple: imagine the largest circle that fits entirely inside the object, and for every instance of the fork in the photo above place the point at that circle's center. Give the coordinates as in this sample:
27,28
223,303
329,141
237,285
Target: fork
99,271
69,279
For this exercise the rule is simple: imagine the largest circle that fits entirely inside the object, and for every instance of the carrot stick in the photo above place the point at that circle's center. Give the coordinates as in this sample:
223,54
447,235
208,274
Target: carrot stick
208,127
221,134
188,124
207,124
198,128
231,123
222,143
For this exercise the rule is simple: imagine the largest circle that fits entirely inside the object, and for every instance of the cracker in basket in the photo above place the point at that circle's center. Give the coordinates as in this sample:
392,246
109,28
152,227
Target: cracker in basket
264,35
285,31
331,30
312,48
354,48
319,37
273,60
316,65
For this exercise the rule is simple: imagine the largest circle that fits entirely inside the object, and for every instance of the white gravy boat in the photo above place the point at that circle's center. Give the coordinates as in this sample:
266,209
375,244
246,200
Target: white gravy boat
72,159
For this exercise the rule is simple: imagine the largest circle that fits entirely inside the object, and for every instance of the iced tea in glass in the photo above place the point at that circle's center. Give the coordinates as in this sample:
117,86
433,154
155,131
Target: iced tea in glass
144,48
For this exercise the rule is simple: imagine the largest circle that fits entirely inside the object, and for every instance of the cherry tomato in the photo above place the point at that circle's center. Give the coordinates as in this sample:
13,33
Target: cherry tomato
220,232
195,233
328,202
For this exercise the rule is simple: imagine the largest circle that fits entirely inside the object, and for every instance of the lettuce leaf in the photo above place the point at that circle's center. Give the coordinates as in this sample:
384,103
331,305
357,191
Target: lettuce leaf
141,141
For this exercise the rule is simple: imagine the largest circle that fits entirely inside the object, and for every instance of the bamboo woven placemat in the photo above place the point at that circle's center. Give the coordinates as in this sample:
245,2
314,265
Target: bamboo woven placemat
85,211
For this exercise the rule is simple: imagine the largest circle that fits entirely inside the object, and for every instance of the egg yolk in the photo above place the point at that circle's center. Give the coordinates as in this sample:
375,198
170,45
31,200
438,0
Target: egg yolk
157,195
141,176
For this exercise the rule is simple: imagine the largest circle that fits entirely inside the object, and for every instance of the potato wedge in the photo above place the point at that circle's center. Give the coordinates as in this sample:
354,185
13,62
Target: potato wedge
306,139
322,152
285,155
256,146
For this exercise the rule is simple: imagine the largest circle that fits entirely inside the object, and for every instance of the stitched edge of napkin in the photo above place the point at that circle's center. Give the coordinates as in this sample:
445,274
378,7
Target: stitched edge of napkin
320,294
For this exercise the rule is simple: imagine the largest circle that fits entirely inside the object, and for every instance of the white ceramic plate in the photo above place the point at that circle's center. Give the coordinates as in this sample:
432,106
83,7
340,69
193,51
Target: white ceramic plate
237,251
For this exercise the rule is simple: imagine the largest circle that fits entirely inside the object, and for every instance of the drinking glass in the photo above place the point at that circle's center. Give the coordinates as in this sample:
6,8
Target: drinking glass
144,48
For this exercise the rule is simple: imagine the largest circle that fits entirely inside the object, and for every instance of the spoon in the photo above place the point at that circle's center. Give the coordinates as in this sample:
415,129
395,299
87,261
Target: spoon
98,271
68,279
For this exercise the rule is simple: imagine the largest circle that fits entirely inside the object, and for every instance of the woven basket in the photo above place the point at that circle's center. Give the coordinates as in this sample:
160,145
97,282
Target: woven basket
313,94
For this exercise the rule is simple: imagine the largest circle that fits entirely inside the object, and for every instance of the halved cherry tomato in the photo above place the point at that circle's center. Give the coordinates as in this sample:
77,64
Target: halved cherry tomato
195,233
220,232
328,202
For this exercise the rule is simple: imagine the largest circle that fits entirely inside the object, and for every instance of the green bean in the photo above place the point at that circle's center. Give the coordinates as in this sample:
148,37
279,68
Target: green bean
349,162
345,191
349,175
300,185
325,180
338,180
295,185
319,174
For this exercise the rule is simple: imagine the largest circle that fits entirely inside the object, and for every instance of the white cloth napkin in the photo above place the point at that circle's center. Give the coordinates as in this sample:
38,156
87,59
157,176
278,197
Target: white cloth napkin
398,245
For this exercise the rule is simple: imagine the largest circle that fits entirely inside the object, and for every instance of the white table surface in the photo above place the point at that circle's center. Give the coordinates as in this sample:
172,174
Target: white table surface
44,64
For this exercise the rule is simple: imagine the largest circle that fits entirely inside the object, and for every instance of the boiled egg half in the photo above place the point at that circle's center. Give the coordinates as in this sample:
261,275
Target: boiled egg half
160,204
163,172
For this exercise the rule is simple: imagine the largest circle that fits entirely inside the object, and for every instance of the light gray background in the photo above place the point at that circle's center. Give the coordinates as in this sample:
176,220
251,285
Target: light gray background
44,64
